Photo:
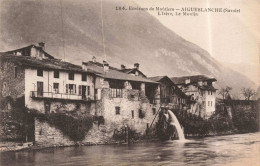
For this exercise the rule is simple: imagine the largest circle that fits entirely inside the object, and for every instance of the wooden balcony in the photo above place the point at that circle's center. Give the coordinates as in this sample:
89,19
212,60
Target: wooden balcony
61,96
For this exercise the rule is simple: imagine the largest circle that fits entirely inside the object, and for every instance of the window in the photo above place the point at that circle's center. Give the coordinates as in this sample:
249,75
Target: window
133,114
211,103
39,72
71,88
116,93
208,103
117,110
56,74
84,77
15,72
154,111
56,87
136,85
141,114
71,76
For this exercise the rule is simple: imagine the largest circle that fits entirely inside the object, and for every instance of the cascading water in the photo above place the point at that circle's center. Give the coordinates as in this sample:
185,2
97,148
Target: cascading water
174,121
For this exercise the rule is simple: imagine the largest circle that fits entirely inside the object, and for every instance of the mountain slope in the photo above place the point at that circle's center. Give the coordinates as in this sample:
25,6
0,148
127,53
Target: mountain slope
129,37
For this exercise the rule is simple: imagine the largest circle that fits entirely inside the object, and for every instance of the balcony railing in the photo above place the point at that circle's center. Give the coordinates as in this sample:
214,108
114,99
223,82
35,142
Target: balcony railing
51,95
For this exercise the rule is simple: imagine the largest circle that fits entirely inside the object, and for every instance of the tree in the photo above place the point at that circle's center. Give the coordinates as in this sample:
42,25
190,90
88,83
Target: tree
225,92
248,93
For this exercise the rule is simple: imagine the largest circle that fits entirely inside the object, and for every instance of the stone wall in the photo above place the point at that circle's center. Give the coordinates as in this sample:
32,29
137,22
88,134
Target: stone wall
47,136
11,80
132,100
131,103
11,87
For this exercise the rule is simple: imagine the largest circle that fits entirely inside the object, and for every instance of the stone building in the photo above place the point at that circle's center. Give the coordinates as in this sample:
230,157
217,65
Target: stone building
201,90
126,99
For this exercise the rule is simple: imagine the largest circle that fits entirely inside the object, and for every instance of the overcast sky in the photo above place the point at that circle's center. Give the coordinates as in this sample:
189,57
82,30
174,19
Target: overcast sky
231,38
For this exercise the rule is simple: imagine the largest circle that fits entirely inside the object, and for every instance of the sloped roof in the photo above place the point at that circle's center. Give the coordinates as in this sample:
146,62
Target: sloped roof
133,70
157,78
54,64
126,70
29,47
193,79
207,87
101,65
114,73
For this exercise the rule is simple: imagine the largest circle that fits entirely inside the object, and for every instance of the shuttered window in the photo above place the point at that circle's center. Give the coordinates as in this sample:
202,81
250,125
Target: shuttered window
71,88
116,93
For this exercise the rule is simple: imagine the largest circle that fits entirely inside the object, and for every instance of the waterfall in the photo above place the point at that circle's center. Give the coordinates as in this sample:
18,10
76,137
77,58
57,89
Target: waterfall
174,121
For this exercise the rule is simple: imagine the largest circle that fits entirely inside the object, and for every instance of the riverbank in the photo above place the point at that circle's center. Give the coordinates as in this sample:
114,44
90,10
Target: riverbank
15,146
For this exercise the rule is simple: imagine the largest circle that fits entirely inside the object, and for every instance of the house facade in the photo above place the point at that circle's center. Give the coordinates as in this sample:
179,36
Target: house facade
51,86
47,85
201,90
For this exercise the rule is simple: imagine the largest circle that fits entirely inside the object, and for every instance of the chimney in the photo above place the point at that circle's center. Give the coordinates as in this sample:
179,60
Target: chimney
122,67
136,65
42,45
187,81
106,66
94,59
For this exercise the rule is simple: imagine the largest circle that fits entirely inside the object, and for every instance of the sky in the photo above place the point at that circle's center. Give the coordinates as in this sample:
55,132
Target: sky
233,39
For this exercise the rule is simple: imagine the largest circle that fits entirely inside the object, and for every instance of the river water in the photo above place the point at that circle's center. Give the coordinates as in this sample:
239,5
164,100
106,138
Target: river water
239,149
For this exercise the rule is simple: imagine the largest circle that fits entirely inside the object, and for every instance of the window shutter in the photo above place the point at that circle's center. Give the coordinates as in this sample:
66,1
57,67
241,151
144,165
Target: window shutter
74,88
80,89
88,90
67,88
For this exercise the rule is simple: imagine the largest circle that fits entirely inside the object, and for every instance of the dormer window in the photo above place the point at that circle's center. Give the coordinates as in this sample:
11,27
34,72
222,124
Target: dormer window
71,76
39,72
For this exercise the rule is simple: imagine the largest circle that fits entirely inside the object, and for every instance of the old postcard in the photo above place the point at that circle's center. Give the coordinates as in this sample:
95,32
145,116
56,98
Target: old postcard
129,82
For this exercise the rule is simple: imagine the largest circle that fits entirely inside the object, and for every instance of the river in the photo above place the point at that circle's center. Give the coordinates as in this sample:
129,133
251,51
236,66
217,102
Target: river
239,149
